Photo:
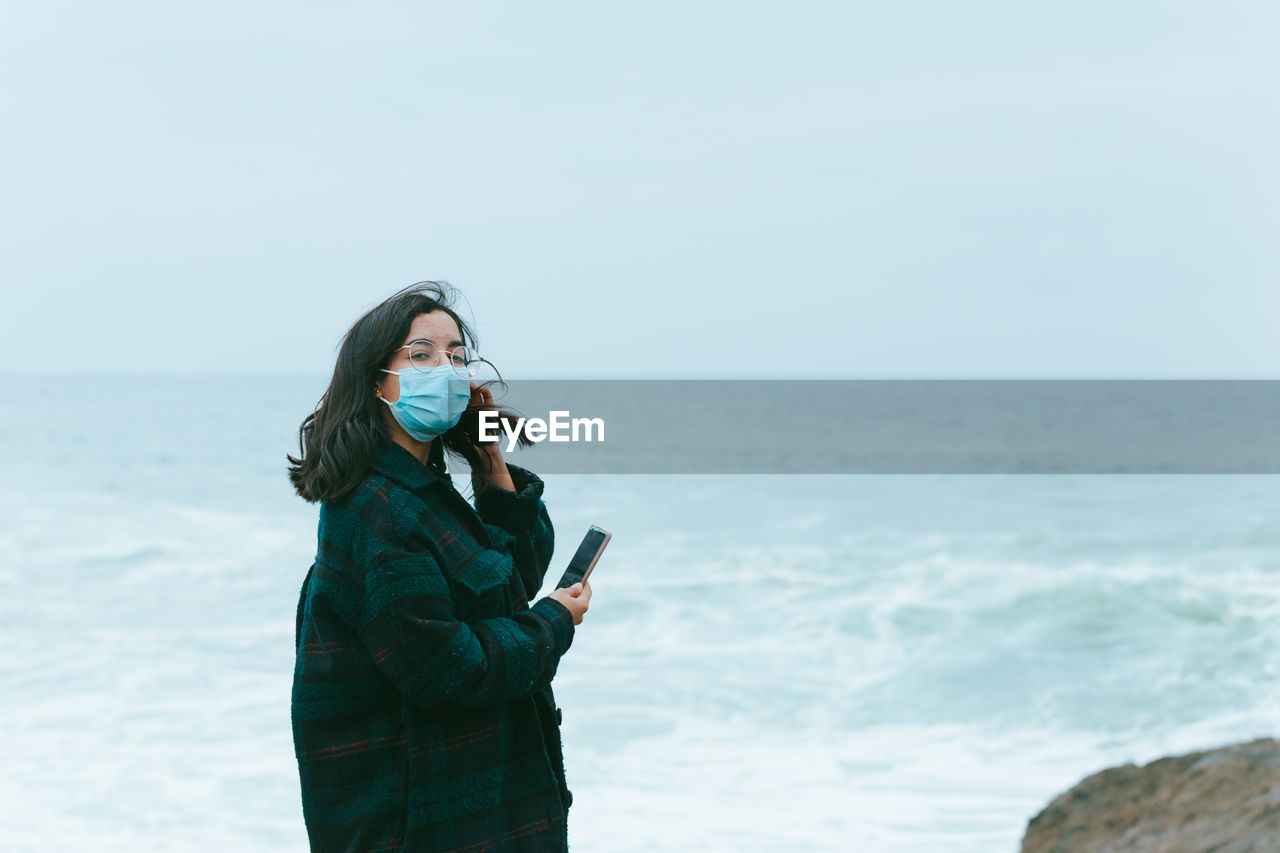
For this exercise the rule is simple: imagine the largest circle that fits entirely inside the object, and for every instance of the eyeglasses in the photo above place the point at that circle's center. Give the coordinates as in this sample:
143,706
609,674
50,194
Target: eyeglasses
424,355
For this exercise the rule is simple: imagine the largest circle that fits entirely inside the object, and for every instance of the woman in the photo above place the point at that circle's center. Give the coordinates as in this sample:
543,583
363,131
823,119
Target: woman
423,716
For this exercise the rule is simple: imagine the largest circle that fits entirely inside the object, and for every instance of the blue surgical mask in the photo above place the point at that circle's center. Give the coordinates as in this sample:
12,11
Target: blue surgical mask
431,401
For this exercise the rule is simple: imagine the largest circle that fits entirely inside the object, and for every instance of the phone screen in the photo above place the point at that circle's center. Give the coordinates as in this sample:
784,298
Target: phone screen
585,558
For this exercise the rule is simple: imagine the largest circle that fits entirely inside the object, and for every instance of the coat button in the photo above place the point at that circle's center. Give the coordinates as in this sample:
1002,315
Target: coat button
568,798
559,717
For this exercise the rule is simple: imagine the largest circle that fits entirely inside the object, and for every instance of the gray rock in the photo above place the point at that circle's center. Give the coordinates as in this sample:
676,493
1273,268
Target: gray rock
1224,800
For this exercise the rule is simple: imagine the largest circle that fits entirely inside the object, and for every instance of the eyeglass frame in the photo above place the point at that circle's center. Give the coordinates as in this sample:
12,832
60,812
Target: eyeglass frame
441,350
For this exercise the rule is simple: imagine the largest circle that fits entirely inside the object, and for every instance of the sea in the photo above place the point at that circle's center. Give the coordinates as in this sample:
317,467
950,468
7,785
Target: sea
770,662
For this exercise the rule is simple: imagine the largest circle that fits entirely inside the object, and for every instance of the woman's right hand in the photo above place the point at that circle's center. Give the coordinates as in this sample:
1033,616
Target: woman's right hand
576,598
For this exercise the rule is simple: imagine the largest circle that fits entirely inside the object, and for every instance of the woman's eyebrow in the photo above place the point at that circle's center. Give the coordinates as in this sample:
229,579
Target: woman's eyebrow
452,344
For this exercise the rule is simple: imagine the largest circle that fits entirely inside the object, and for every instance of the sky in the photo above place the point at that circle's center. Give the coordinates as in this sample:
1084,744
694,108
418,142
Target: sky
930,190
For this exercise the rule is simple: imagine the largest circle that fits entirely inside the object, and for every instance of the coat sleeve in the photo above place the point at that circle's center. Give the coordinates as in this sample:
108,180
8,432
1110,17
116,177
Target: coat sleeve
439,663
523,515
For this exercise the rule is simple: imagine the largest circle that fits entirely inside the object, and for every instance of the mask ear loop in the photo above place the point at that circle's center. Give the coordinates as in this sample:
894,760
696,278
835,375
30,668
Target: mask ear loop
375,387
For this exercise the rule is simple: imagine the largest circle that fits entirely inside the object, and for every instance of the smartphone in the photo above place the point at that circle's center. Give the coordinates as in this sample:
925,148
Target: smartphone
585,559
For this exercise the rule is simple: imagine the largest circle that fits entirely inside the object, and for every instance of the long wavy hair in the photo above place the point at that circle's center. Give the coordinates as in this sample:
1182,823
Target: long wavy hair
340,438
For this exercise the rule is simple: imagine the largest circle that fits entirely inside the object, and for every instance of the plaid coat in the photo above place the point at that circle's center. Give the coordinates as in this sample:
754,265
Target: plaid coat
423,716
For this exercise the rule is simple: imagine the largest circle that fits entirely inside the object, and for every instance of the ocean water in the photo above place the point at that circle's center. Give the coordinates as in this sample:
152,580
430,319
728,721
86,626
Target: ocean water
896,663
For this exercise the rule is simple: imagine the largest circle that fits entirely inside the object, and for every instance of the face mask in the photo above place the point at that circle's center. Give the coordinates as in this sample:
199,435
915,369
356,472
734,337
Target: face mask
431,401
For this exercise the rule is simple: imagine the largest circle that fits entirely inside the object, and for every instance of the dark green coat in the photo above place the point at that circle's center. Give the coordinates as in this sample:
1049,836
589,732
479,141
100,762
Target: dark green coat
423,716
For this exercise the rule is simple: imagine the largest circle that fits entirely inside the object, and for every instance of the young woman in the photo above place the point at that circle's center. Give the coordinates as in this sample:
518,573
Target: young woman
423,716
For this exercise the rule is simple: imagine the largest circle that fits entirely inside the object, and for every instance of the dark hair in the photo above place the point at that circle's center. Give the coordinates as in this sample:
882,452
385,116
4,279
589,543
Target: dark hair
341,437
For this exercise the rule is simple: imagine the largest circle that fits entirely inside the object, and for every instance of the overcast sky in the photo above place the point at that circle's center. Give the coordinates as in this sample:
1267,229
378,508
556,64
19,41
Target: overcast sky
985,189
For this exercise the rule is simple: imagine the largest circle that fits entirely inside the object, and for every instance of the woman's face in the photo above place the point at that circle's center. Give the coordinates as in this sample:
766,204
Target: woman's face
437,327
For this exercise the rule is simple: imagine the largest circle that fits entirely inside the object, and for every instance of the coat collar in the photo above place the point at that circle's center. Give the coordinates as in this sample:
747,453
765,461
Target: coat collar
400,465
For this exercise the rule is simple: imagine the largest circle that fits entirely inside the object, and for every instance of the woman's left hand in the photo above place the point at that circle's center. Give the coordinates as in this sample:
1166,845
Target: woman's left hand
498,475
482,399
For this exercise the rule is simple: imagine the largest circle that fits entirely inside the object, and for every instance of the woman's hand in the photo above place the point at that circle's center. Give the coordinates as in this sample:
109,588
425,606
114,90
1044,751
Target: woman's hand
481,397
498,475
576,598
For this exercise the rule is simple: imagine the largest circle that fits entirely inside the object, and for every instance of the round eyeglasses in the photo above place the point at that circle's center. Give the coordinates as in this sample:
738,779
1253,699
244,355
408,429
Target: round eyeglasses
464,361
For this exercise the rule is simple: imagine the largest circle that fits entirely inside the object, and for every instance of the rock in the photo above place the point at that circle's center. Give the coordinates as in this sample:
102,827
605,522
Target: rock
1224,800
